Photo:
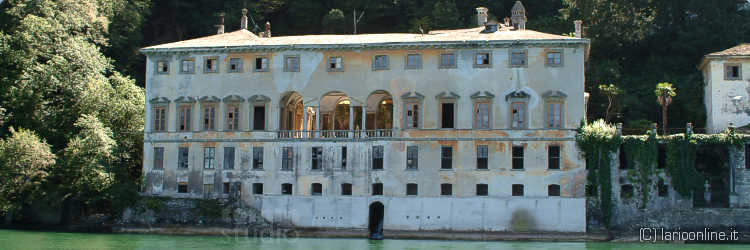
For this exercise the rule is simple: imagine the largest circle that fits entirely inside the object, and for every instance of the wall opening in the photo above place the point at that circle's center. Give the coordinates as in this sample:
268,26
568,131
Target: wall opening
376,220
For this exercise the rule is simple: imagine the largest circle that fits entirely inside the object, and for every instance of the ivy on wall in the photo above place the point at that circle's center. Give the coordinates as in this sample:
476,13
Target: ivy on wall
597,142
641,153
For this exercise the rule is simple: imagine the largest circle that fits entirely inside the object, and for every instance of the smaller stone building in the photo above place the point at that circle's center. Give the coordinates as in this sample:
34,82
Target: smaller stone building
727,84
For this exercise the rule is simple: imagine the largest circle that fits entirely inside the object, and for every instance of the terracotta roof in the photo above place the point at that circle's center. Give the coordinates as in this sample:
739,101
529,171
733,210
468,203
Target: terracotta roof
244,38
739,50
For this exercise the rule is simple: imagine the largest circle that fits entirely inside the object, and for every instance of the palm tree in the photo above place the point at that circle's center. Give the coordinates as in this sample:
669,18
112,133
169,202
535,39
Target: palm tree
664,92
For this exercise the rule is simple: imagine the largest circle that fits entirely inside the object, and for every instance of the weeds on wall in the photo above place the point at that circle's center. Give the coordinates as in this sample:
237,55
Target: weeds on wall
599,141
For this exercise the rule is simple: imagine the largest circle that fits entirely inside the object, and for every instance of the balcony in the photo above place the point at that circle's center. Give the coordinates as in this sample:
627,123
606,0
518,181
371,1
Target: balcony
334,134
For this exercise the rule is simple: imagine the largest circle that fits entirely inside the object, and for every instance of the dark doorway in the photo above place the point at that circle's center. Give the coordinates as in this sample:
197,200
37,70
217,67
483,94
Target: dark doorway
712,162
447,115
376,220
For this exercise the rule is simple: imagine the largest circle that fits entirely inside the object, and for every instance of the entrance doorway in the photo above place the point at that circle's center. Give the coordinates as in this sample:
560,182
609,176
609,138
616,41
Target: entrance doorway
376,220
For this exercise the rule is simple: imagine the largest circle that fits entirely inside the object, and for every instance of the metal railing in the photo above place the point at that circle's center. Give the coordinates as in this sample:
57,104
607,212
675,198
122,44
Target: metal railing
308,134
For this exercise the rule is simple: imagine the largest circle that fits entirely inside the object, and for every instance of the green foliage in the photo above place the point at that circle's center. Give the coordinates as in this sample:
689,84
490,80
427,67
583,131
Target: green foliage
334,22
87,157
641,153
153,203
665,88
211,208
24,163
597,142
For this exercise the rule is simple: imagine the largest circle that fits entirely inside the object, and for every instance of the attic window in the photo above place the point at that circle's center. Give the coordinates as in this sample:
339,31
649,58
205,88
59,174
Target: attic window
211,65
261,64
336,64
187,66
235,65
482,59
518,58
291,63
380,62
162,67
732,72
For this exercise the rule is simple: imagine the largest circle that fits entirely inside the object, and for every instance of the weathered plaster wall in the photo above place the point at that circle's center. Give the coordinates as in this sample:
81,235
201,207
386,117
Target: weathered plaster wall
727,101
425,213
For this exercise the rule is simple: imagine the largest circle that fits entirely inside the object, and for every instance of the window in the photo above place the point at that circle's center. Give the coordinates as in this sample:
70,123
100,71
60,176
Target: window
732,72
257,157
258,188
554,115
661,156
182,157
411,189
233,117
380,62
482,60
187,66
226,186
317,158
482,156
158,158
343,157
182,187
185,117
160,118
623,158
286,189
553,157
335,64
413,61
261,64
518,58
259,118
626,191
287,154
447,114
208,189
446,189
448,60
377,157
747,156
482,190
412,157
346,189
482,115
377,189
554,58
412,115
553,190
211,66
663,188
162,67
228,157
235,65
209,111
209,155
291,63
316,189
518,115
517,157
446,154
517,190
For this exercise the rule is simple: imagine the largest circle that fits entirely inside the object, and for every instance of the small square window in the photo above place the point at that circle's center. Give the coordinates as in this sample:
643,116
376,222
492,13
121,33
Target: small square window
187,66
626,191
553,190
733,72
517,190
380,62
554,58
448,60
235,65
211,66
482,59
258,188
346,189
286,189
518,58
162,67
414,61
182,187
411,189
335,64
482,190
316,189
291,63
446,189
377,189
261,64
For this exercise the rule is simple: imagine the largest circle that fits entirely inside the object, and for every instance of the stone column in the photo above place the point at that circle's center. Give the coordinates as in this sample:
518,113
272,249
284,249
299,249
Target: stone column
317,121
364,121
304,121
351,121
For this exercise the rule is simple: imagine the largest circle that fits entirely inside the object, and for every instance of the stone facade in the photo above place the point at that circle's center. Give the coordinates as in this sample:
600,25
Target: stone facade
327,126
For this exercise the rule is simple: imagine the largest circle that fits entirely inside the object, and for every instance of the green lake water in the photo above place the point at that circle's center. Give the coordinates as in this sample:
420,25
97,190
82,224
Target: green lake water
14,239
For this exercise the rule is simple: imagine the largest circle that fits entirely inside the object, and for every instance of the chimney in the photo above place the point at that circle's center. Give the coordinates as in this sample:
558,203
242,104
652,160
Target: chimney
221,24
518,16
267,33
481,16
243,21
579,28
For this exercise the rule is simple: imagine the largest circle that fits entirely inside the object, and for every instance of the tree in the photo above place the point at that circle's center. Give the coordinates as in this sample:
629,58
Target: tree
445,15
664,92
611,91
334,22
24,163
